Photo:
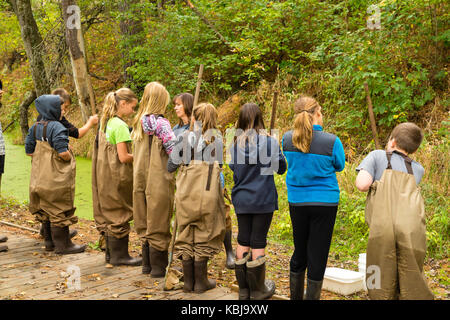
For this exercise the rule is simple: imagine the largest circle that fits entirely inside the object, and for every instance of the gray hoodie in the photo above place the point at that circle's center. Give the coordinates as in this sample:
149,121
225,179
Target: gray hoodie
49,107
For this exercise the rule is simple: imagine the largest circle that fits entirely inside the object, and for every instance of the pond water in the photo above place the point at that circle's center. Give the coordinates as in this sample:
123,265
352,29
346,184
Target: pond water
16,179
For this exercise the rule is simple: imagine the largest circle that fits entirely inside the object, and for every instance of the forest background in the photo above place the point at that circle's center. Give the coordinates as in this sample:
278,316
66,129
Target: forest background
250,50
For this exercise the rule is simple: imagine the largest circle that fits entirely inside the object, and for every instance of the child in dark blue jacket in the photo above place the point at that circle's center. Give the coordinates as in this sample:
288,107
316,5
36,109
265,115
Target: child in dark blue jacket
255,156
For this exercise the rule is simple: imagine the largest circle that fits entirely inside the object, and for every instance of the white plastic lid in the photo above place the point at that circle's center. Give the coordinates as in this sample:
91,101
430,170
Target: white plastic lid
342,275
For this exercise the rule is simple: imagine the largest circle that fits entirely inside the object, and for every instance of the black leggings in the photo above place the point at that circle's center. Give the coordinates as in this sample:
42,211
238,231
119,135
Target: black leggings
312,227
253,229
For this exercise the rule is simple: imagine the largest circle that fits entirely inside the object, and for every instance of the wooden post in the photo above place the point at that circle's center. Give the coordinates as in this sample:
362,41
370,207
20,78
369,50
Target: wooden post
199,83
372,117
274,110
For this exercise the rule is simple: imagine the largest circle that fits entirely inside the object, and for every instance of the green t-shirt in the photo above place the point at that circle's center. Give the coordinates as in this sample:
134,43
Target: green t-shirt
117,131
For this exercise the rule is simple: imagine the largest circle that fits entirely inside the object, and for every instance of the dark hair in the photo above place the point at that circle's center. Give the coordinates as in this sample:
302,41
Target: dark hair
63,94
408,136
250,117
188,104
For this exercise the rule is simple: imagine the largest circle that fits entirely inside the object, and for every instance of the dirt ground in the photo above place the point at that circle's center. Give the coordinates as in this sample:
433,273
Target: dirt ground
437,271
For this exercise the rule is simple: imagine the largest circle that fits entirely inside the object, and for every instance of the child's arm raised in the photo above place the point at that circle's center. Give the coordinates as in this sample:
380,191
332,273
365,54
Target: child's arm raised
93,120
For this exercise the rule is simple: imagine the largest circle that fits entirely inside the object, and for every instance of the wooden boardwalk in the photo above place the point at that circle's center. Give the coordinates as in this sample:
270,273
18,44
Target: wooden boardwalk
28,272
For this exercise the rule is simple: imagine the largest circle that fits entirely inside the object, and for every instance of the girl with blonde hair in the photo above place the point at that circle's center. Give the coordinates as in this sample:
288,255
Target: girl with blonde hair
313,158
199,198
153,186
112,176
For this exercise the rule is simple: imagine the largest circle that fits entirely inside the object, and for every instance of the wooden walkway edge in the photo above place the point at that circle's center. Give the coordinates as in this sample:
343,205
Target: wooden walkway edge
28,272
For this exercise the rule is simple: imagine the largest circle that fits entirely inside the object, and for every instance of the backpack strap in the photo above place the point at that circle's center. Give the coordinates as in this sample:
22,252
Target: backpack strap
408,161
210,170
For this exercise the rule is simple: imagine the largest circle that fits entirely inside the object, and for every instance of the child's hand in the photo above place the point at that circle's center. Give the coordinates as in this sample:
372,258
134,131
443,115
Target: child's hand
93,120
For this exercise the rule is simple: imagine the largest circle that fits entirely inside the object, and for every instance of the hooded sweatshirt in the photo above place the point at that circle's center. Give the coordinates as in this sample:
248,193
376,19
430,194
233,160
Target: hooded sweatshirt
49,108
253,166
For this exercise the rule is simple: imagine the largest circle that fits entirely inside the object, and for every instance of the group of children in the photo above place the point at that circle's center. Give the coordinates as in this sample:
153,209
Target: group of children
133,178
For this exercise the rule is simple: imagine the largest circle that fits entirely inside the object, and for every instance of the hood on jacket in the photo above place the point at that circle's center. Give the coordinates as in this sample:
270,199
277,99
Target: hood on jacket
49,107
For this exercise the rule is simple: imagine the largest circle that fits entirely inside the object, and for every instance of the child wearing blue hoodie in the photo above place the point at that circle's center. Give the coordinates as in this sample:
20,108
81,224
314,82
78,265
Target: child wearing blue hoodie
52,182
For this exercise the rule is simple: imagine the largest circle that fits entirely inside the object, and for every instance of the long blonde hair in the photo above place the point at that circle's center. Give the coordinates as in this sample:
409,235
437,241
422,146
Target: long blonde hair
111,104
154,101
304,107
207,114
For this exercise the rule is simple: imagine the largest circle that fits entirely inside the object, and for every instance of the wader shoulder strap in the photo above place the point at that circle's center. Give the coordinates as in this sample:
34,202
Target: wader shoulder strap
44,132
408,161
210,170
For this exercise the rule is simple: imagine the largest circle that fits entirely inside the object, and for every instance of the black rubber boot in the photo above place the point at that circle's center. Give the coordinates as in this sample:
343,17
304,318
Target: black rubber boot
158,262
201,281
3,238
72,233
188,275
146,267
260,288
62,242
297,285
118,252
229,250
241,276
107,251
47,234
313,289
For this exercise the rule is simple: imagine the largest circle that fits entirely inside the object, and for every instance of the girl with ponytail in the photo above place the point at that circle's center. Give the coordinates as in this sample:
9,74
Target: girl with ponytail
313,158
112,177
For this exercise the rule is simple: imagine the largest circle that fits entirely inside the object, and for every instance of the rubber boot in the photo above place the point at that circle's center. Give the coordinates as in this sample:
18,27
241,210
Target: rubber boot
3,238
62,242
72,233
118,252
201,281
241,276
229,250
260,288
188,275
297,285
107,251
313,289
146,267
3,248
158,262
47,234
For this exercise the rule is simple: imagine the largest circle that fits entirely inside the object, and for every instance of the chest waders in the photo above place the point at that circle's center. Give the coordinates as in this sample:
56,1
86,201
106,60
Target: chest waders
200,215
52,193
396,247
113,200
153,194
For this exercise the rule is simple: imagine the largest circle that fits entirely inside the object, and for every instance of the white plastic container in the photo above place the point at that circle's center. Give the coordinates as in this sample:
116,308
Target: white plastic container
343,281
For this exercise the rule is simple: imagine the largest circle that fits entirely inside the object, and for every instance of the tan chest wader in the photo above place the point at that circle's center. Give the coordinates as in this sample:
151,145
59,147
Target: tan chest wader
112,189
153,194
52,184
200,215
397,239
199,200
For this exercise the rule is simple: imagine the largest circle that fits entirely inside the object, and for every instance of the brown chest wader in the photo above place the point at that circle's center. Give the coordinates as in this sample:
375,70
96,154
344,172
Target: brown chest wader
112,187
52,193
153,194
200,215
52,184
396,247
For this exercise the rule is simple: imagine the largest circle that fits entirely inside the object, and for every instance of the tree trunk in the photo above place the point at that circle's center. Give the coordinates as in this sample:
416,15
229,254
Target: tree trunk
131,29
23,110
33,44
74,37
